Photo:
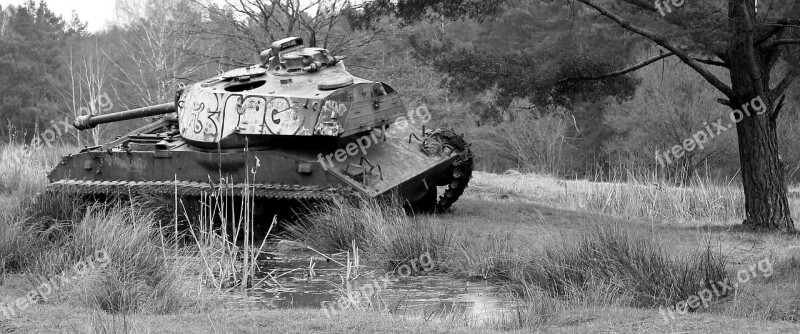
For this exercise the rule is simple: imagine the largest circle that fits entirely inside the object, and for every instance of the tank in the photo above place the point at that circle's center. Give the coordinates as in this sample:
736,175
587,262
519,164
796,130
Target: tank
295,126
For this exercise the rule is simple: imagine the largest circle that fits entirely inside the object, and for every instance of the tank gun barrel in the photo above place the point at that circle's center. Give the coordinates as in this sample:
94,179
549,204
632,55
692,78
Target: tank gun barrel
90,121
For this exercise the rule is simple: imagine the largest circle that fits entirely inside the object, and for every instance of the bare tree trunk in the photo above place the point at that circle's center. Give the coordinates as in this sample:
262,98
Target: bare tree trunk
763,176
763,179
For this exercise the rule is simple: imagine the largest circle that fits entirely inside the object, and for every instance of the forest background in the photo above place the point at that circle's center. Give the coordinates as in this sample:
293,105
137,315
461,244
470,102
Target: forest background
504,80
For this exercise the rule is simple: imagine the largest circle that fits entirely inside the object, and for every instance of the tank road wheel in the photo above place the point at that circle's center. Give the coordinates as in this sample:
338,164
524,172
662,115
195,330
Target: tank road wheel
459,173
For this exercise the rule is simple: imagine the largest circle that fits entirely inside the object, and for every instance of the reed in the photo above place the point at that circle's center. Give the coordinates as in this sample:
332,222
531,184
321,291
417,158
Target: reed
223,232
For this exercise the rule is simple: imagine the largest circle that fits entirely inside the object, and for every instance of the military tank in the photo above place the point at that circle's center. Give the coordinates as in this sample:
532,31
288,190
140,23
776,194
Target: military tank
295,126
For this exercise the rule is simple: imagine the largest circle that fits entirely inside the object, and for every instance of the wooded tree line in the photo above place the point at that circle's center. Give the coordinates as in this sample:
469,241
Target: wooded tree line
540,85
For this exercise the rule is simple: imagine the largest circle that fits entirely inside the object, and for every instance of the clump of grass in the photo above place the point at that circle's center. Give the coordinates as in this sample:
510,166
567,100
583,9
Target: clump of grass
140,275
490,257
613,267
382,230
17,242
533,310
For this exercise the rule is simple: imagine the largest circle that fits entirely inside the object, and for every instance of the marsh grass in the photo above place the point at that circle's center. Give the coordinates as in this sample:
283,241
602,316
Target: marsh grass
489,257
610,266
382,230
225,217
532,311
141,275
605,266
153,269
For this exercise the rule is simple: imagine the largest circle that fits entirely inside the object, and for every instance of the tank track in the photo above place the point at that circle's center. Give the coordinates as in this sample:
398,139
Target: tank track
190,188
461,170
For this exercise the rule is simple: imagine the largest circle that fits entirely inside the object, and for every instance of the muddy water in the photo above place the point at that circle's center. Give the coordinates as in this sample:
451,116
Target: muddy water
305,279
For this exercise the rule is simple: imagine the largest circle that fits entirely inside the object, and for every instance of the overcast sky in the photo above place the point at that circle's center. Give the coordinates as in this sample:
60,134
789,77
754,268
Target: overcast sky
96,12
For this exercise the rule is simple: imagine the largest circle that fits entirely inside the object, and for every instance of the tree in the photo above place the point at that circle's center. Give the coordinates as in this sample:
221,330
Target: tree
250,26
667,108
757,49
156,51
89,88
4,18
519,55
31,41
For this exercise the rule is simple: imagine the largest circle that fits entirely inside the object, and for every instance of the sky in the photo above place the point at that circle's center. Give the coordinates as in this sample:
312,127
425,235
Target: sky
96,12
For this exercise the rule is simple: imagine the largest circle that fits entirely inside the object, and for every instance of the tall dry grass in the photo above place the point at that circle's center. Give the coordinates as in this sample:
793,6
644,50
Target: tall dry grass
43,235
23,169
143,274
705,201
223,234
383,230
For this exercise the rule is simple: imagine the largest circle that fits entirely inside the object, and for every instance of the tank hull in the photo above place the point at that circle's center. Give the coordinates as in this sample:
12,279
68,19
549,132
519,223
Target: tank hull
377,163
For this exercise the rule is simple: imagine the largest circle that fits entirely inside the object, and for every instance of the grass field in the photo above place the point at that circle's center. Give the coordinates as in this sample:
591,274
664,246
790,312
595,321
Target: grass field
577,256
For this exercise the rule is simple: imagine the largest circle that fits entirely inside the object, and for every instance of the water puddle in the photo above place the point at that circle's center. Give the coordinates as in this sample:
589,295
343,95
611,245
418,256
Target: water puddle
305,279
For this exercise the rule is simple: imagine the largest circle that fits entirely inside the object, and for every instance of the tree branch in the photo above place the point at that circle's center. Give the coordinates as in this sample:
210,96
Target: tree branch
777,111
640,65
712,62
777,27
784,84
711,78
621,72
780,42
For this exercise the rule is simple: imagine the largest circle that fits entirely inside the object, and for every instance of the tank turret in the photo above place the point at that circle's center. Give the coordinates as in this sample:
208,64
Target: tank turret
296,91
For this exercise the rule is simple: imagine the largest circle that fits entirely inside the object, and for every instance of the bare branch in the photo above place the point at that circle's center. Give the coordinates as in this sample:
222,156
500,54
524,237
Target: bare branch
778,107
621,72
787,81
780,42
